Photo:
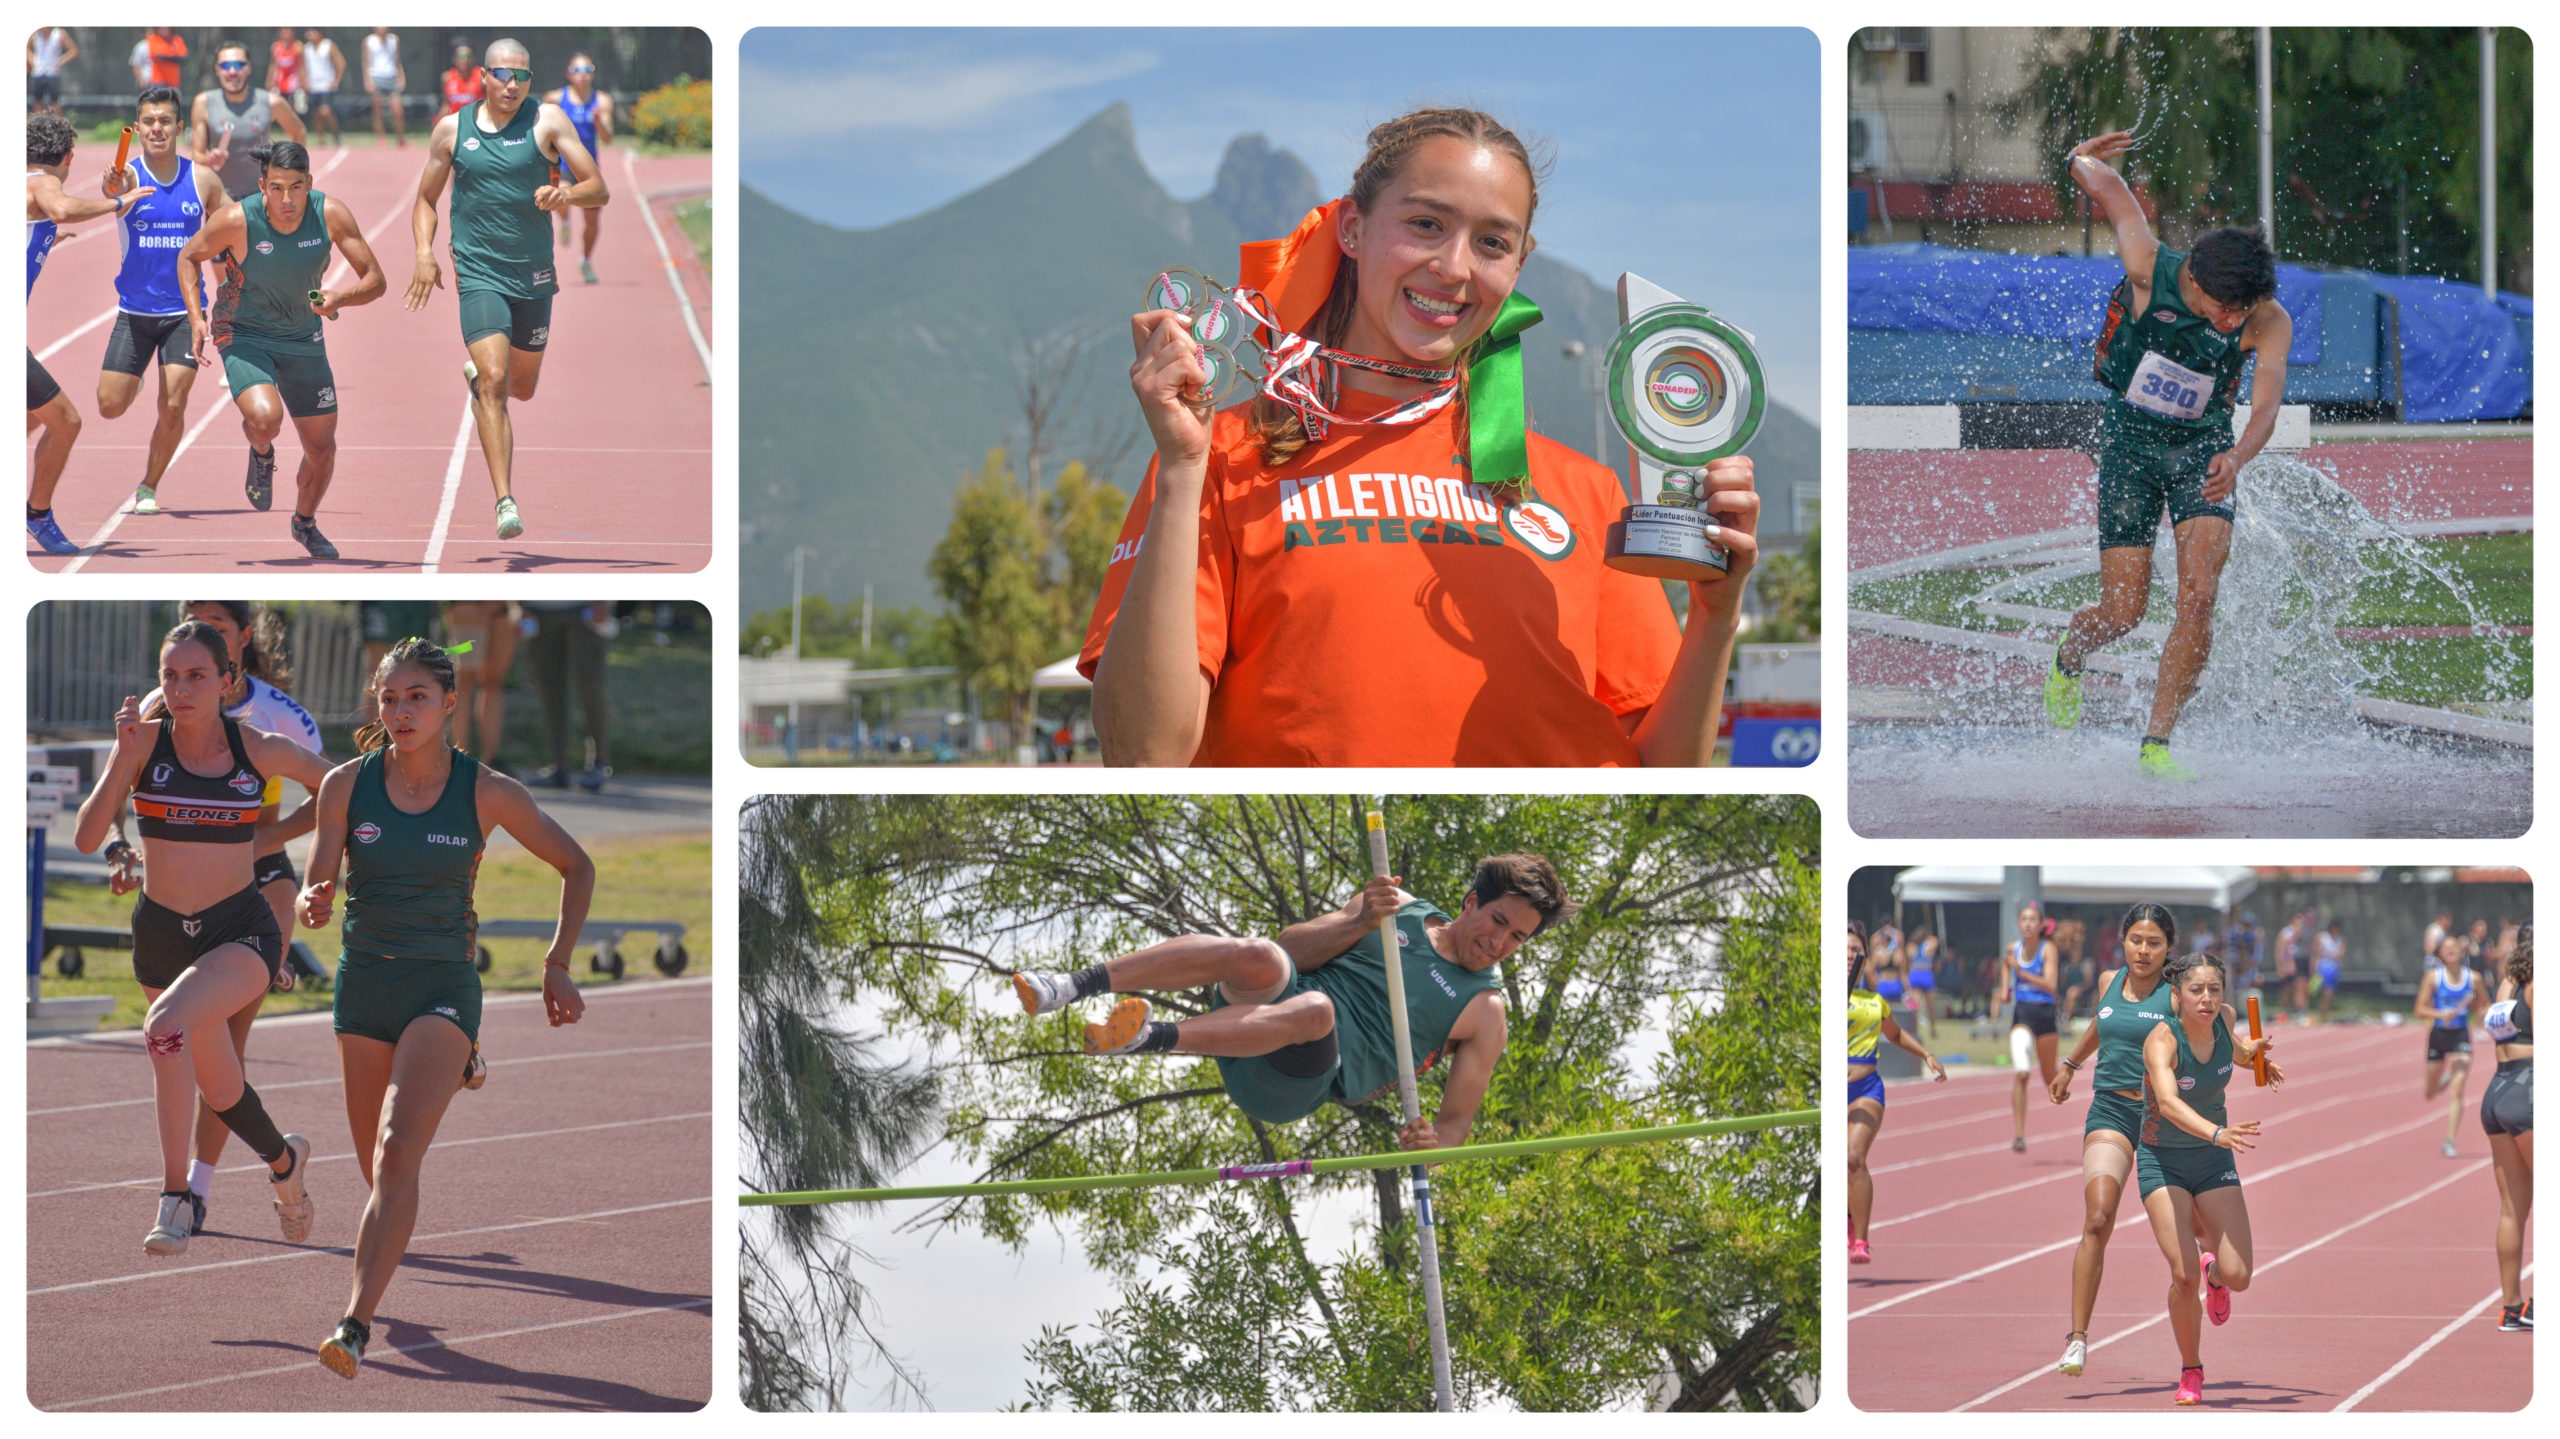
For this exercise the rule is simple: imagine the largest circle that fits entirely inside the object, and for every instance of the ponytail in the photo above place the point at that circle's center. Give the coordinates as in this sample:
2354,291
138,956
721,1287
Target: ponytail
427,655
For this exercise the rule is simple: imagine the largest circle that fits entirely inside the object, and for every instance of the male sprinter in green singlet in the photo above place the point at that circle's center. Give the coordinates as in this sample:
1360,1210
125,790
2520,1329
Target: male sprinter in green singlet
2176,332
273,247
501,154
1303,1019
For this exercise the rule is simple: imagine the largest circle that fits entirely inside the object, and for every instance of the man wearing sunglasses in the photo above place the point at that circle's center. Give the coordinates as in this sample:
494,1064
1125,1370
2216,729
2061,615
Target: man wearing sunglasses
233,120
505,156
591,110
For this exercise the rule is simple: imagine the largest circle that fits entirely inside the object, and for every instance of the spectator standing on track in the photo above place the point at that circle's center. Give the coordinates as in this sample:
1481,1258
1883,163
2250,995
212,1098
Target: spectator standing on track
2247,941
2506,1114
2476,945
284,69
2449,994
205,944
386,80
504,157
166,49
461,83
407,1006
232,120
49,49
2329,960
2293,943
2177,330
591,111
273,248
1923,977
570,640
138,60
50,141
323,67
490,628
151,316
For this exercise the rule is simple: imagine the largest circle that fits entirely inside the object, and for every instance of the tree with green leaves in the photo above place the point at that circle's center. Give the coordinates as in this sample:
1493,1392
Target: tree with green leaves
2377,136
1791,587
1680,1275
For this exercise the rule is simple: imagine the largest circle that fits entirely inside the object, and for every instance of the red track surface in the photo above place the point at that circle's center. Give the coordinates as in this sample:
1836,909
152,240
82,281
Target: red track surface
2376,1283
1919,502
612,455
562,1259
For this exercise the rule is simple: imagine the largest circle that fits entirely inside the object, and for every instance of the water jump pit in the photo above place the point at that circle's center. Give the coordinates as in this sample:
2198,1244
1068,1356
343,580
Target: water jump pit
2372,663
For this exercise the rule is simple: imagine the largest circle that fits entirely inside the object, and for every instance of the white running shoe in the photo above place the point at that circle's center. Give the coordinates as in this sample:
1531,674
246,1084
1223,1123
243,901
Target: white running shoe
2448,1149
146,500
180,1216
1041,993
293,1203
2075,1355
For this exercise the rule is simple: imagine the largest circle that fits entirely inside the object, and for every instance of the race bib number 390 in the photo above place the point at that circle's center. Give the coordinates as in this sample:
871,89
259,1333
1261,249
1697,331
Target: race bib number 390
2167,388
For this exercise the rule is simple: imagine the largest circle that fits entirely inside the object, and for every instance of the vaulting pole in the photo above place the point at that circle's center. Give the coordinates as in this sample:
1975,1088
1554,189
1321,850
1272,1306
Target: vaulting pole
1428,1242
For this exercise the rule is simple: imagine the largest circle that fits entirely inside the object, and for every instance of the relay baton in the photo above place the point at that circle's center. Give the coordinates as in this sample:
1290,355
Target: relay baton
124,147
2255,1035
315,301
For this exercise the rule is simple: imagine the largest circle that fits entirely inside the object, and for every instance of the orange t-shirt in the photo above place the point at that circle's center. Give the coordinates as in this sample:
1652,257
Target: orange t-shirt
167,53
1363,605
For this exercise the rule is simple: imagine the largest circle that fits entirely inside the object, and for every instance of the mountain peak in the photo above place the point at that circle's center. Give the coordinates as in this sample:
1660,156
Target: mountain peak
1263,192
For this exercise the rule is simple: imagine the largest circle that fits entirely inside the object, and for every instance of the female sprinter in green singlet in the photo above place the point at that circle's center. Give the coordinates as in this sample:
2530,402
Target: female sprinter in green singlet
2188,1162
410,819
1868,1022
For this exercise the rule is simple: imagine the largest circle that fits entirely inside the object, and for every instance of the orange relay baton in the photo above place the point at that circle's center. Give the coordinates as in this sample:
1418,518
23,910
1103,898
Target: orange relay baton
2255,1034
124,147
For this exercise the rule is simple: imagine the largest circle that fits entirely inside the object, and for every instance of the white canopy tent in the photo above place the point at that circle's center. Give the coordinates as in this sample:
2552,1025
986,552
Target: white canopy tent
2216,887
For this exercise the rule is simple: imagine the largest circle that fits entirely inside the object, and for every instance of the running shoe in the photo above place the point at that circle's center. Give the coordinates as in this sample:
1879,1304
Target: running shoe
146,500
510,524
48,535
588,269
1859,1253
550,776
262,479
306,532
175,1225
2061,697
344,1350
1121,1032
2516,1319
293,1203
1041,993
2018,1145
2075,1355
2217,1300
2448,1149
2157,763
475,1070
592,778
2191,1385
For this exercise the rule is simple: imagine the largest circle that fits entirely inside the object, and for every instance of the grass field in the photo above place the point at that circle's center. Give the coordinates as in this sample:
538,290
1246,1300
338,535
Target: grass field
651,878
695,217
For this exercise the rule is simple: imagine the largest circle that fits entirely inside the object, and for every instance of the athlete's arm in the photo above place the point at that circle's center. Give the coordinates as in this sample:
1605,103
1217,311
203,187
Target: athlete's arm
2268,335
328,847
2160,1062
1317,942
2426,987
200,134
1476,1042
427,277
2060,1089
292,123
222,229
1150,695
1893,1034
603,119
1679,727
506,804
560,141
50,201
349,237
276,755
105,804
2135,244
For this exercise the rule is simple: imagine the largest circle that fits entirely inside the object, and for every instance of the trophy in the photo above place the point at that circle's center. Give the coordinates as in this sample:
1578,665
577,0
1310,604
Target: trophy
1684,388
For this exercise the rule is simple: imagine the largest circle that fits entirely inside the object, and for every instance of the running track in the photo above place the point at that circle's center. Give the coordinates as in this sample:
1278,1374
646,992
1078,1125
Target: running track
562,1261
2377,1280
612,455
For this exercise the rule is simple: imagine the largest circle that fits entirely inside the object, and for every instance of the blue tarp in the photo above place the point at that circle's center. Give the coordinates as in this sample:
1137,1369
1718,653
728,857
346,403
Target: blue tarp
2463,356
1933,289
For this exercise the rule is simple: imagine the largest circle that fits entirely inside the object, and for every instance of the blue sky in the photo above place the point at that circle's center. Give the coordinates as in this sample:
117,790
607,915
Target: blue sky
1688,156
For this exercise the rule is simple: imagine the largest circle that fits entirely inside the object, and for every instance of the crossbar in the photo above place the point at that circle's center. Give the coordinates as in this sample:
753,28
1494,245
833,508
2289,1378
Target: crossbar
1506,1149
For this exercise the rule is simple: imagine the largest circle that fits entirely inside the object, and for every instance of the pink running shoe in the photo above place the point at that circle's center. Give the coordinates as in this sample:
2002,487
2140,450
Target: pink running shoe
1858,1253
2217,1300
2191,1385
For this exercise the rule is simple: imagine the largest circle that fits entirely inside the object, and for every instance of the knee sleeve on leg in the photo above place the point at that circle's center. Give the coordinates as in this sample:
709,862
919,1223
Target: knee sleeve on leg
248,1119
170,1043
1308,1059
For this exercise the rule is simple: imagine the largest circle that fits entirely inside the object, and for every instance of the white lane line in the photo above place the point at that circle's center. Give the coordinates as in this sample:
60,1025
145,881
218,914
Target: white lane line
460,456
319,1083
95,1185
346,1251
49,351
2296,1252
647,989
2259,1177
375,1355
667,264
2414,1355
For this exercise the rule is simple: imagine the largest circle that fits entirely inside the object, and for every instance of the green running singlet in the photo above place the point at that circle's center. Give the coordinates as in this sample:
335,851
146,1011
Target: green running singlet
2200,1083
265,297
2174,376
409,876
1436,992
2123,1024
501,239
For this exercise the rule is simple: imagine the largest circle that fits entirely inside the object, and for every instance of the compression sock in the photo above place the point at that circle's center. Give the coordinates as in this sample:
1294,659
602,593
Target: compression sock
248,1119
1158,1039
34,514
2152,739
1093,979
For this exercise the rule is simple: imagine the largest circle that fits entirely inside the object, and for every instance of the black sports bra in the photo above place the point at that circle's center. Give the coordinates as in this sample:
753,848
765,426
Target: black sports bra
174,802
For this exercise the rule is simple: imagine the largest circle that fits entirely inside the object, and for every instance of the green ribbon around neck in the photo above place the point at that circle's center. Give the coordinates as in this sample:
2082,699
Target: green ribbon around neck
1497,402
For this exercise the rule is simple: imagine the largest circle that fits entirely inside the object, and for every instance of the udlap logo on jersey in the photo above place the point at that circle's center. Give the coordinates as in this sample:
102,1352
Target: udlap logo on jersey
368,832
1540,526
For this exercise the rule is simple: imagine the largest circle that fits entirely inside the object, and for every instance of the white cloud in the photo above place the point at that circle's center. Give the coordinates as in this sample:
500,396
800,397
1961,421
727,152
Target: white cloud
787,104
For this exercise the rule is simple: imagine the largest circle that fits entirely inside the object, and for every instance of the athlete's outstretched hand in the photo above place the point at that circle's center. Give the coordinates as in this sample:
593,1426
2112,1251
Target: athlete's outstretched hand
560,998
316,897
1421,1134
1171,378
2099,148
2236,1137
424,281
2221,476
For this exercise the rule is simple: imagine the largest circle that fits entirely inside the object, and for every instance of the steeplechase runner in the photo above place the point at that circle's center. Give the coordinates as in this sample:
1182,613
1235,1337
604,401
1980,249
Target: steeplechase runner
505,159
1869,1021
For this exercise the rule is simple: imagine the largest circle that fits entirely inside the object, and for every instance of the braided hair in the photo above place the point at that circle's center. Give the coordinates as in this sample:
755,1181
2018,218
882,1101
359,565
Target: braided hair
427,655
193,632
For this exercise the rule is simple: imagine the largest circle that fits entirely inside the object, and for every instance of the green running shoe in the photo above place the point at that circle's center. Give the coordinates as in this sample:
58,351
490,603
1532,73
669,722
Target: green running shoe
2061,698
2157,763
510,524
146,500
